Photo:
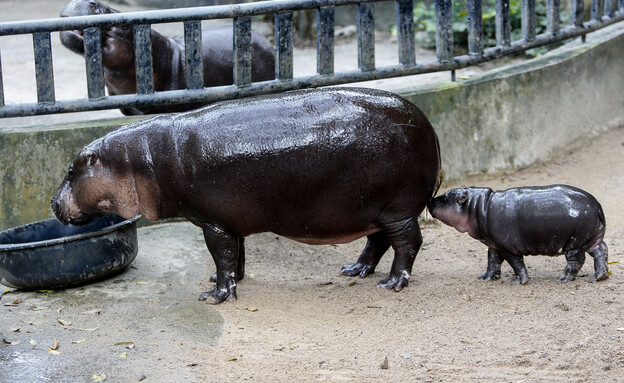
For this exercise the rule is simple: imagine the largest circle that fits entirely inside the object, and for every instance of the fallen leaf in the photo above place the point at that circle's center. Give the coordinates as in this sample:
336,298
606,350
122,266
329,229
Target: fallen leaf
233,359
78,292
14,303
78,341
53,352
5,341
91,312
385,365
612,262
252,309
142,378
33,342
11,343
251,276
86,329
143,283
467,297
64,322
99,378
38,308
123,343
59,310
123,355
191,365
620,328
55,345
45,291
16,329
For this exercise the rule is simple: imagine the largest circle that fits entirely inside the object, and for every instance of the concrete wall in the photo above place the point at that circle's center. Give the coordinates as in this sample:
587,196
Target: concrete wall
503,120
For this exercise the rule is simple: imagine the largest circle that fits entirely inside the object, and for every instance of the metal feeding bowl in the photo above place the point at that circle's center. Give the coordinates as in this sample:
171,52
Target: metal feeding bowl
48,254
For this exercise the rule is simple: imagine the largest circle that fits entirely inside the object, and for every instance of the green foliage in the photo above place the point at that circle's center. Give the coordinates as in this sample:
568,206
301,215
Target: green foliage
424,20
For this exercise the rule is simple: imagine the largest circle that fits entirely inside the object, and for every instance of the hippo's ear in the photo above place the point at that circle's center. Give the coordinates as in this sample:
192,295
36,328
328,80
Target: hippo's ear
462,199
91,157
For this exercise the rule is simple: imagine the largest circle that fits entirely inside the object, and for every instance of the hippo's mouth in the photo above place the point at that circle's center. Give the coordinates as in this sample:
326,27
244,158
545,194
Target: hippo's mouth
73,40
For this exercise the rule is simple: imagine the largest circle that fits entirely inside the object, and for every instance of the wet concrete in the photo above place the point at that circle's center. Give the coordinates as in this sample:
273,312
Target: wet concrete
138,323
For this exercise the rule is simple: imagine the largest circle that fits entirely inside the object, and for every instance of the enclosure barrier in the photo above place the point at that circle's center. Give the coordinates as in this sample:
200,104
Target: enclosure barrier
603,13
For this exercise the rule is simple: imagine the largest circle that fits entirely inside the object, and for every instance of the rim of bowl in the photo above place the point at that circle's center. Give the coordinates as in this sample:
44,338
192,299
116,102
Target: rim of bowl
69,238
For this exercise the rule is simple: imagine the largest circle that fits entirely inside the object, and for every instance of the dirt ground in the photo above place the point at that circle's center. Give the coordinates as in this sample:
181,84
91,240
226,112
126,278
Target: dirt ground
297,319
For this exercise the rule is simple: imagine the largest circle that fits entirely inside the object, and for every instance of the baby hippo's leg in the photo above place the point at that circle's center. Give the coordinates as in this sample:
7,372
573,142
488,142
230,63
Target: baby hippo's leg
517,264
601,255
240,265
576,259
493,266
224,248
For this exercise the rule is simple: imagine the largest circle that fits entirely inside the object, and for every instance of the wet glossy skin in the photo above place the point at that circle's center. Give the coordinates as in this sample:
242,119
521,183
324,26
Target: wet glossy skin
544,220
317,166
168,57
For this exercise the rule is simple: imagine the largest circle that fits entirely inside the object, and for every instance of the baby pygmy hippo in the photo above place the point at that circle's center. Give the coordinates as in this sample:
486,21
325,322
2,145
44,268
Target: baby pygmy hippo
540,220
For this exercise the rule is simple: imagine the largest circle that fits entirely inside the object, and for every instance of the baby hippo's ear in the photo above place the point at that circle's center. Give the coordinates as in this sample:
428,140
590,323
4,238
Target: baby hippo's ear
90,157
462,199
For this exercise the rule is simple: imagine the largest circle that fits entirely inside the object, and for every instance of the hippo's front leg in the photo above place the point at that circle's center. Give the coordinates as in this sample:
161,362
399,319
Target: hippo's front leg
240,265
224,248
406,239
493,271
517,264
365,265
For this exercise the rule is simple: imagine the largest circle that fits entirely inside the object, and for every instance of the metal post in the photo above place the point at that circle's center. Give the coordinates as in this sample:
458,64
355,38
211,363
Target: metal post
597,9
529,22
475,27
444,30
576,13
1,84
405,31
93,63
193,54
242,51
43,67
552,16
503,23
284,46
325,17
365,21
143,58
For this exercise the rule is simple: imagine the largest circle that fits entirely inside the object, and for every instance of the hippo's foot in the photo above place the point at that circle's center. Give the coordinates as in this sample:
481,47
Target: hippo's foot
567,277
395,282
489,276
521,279
218,295
598,277
356,269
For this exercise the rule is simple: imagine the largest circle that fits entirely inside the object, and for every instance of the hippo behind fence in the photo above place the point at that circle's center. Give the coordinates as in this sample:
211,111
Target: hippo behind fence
543,220
317,166
168,57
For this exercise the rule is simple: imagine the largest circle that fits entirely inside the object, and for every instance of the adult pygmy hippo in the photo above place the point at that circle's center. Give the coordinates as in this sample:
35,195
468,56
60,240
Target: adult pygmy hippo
168,58
541,220
317,166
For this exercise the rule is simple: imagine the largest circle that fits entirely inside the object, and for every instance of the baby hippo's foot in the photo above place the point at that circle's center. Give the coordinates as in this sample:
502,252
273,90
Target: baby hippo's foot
521,279
218,295
567,276
599,277
357,268
395,281
489,276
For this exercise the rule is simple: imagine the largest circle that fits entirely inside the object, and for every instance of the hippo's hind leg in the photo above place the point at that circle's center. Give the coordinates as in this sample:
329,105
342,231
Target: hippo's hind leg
378,243
601,260
493,270
240,265
406,239
224,248
575,259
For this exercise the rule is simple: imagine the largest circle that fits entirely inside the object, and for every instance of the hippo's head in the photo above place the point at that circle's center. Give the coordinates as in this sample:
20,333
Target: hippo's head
91,188
117,41
456,208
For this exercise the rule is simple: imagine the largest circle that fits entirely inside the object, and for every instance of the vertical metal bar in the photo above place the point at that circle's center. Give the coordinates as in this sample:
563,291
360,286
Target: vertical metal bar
93,62
405,30
552,16
503,23
597,9
193,54
576,13
621,6
475,27
529,22
43,66
1,84
444,30
143,58
284,46
610,7
365,21
242,51
325,17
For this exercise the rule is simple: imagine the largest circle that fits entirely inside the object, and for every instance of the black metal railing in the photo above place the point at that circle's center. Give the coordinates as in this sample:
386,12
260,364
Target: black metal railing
603,13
